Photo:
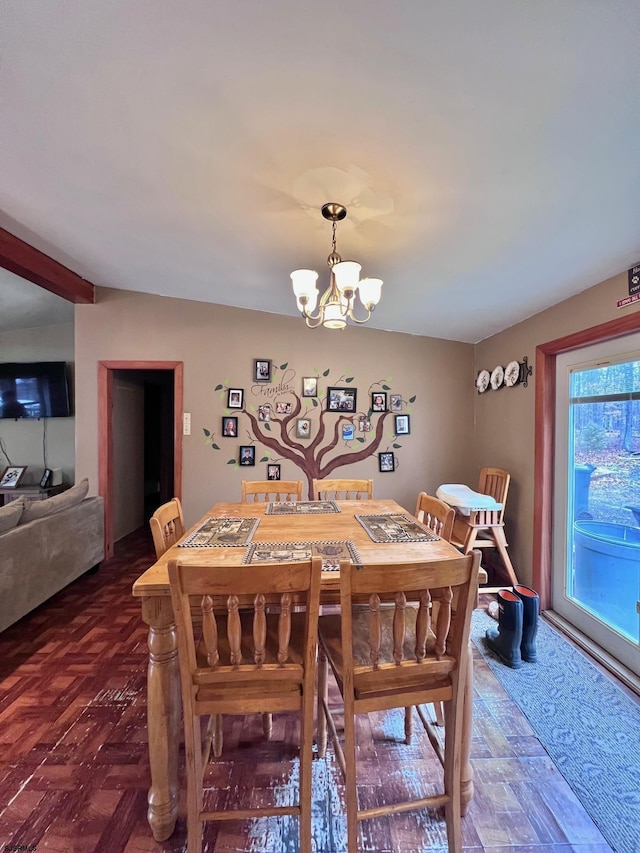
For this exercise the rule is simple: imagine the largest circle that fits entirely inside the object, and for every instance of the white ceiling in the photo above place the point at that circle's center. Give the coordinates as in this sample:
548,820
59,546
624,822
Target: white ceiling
487,150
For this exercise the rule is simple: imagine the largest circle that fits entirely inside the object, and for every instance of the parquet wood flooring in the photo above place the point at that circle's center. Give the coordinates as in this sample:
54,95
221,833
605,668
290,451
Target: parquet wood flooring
74,770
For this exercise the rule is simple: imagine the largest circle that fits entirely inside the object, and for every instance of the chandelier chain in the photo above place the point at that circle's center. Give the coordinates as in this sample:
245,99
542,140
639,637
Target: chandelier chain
333,236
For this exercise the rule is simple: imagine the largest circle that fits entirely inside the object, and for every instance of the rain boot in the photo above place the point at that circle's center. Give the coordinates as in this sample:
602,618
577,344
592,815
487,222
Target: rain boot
530,610
506,638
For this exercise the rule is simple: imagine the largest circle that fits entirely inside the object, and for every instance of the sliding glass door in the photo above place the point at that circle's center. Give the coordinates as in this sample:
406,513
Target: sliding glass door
596,567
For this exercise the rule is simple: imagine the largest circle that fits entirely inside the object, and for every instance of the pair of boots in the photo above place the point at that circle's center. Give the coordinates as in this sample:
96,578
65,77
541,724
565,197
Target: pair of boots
514,640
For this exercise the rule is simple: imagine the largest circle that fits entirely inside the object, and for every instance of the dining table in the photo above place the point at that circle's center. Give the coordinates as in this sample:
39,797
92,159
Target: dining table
368,531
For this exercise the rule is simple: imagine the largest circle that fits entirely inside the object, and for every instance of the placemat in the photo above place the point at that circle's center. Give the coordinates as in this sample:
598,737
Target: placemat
222,533
301,507
395,527
282,552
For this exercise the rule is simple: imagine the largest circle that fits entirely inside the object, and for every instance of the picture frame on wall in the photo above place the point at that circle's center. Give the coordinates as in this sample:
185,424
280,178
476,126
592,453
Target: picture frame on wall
247,455
379,401
347,432
12,475
235,398
230,427
45,481
396,402
262,370
403,426
341,399
386,462
303,428
264,412
309,386
273,472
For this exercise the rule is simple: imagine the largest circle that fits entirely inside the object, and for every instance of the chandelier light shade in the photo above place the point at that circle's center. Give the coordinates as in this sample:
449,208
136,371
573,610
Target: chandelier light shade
337,303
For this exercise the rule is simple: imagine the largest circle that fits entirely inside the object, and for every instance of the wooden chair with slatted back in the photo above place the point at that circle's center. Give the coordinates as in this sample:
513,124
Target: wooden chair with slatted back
387,657
342,490
438,517
485,528
257,656
167,526
263,491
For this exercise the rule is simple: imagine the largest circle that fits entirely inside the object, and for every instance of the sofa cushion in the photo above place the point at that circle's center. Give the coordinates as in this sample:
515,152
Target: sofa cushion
39,509
10,515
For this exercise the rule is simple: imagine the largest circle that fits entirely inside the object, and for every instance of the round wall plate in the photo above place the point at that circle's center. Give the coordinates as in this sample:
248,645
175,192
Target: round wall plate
497,377
512,374
482,381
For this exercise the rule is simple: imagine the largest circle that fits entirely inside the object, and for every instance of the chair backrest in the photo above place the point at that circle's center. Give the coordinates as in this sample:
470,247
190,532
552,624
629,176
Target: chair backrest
224,643
342,490
436,515
495,482
395,649
263,491
167,526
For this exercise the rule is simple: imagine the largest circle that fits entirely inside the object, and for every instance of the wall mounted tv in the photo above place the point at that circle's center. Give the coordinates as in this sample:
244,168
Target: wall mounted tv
38,389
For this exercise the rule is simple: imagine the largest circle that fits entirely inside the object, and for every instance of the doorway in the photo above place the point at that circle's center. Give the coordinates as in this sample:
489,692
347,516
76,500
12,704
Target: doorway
139,441
596,532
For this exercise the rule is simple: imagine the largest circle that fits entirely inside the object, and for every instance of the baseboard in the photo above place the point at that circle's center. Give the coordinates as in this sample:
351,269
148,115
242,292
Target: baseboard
628,678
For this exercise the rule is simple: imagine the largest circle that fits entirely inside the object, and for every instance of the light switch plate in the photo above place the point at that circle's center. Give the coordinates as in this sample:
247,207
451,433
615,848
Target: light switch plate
186,423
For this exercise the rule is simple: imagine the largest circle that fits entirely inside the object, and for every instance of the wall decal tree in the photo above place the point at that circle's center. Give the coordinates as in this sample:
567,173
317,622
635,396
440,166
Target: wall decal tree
315,455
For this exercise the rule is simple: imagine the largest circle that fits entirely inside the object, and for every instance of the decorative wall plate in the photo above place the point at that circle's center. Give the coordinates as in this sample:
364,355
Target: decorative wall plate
497,377
482,381
512,374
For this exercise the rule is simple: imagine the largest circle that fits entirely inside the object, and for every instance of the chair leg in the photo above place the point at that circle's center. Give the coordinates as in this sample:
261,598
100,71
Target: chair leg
217,736
351,789
267,725
306,769
194,770
438,710
408,724
497,534
452,778
323,698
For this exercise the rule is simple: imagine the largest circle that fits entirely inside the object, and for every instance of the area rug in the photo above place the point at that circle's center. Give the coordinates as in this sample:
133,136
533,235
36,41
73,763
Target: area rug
589,727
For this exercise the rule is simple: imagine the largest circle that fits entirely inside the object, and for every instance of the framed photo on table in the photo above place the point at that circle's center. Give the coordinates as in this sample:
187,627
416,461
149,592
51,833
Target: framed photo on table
45,482
11,476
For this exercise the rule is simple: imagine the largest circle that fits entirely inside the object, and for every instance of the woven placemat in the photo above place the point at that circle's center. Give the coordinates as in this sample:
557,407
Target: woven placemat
222,533
395,527
285,552
301,507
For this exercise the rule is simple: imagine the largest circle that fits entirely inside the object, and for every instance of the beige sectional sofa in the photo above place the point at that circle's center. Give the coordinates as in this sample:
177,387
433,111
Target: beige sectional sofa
44,545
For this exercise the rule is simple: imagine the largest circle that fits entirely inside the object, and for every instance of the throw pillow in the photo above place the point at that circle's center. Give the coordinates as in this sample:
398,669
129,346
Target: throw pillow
10,515
39,509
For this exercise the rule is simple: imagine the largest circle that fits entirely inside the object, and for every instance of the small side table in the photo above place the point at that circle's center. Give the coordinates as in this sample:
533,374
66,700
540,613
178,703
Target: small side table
33,493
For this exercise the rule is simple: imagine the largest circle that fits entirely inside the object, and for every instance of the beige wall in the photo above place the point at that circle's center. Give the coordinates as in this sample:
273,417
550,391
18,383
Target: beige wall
23,439
218,345
505,419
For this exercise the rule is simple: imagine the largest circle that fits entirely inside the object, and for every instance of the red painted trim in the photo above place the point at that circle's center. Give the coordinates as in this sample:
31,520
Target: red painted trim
105,432
545,414
22,259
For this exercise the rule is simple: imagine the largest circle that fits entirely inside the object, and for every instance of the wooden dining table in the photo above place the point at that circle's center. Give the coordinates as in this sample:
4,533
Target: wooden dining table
163,681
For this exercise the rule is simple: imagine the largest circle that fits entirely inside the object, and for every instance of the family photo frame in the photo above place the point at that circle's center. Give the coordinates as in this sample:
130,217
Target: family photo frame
341,399
11,476
303,428
396,402
235,398
386,462
402,425
273,471
247,454
230,427
379,401
309,386
262,370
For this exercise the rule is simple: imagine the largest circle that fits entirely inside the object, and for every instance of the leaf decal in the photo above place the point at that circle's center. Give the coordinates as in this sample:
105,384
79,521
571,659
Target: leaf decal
231,462
265,459
314,401
267,427
215,447
206,432
349,379
327,371
284,366
412,399
217,388
396,445
386,388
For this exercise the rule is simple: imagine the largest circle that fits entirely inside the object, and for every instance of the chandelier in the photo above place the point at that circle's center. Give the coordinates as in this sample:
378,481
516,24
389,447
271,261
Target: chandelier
337,303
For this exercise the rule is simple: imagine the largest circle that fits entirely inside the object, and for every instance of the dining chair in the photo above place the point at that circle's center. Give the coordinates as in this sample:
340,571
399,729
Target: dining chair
438,517
342,490
263,491
257,656
386,657
484,528
167,526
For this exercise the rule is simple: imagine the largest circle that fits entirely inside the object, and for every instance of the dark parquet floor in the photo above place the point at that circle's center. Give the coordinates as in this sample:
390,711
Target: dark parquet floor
74,771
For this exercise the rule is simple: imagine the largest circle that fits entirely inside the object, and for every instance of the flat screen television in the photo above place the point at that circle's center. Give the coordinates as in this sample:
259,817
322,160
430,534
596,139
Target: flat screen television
38,389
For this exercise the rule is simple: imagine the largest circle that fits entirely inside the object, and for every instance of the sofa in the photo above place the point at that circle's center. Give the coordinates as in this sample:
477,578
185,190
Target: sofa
44,546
